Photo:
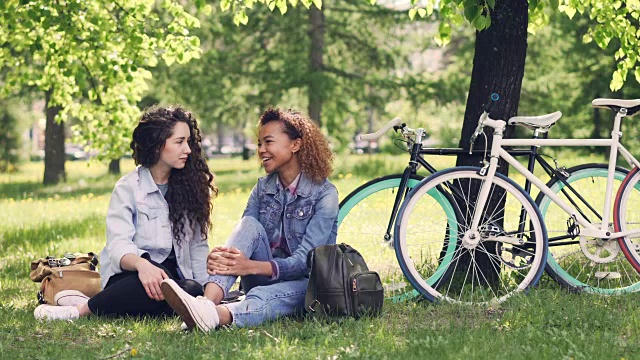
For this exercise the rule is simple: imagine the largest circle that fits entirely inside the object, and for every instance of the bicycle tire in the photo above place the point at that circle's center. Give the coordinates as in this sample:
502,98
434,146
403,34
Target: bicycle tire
362,220
584,264
627,218
522,267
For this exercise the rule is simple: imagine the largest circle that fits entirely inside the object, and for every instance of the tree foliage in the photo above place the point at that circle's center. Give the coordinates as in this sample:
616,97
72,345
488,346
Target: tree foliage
610,19
94,56
267,62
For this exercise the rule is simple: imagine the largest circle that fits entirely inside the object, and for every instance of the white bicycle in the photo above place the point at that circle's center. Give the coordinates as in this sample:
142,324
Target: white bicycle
501,245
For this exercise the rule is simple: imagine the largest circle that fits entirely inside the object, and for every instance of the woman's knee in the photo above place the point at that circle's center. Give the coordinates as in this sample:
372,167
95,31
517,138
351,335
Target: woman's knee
249,224
248,229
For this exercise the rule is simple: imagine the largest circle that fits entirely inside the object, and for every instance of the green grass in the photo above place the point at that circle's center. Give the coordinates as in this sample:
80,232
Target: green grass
37,220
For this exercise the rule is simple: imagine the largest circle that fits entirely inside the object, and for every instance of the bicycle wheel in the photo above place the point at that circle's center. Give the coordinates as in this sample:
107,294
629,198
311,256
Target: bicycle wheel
362,223
583,263
627,217
504,257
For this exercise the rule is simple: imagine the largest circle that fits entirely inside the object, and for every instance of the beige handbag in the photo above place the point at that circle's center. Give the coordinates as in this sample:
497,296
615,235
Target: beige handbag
72,272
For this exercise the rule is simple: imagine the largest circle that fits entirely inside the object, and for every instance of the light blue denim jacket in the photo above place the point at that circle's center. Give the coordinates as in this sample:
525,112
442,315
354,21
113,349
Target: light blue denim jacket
310,219
138,223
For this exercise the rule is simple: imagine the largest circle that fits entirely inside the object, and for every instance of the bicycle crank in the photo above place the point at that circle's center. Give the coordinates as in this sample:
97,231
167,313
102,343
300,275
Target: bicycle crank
600,251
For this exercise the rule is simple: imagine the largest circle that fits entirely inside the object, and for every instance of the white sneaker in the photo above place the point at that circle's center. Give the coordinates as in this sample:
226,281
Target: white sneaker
70,298
200,311
183,327
52,312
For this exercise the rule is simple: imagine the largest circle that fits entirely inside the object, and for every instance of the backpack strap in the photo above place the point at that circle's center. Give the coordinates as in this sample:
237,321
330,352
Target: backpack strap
312,305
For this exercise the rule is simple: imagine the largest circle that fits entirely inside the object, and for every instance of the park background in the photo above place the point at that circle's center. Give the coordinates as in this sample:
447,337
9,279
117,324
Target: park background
74,77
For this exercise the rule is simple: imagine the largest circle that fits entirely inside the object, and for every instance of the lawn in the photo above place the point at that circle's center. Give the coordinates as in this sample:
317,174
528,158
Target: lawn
546,323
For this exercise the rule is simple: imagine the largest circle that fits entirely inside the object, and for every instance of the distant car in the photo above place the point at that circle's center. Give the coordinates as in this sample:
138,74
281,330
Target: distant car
361,147
73,153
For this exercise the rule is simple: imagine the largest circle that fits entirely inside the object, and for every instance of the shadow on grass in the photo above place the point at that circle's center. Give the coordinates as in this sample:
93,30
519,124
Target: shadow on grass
37,237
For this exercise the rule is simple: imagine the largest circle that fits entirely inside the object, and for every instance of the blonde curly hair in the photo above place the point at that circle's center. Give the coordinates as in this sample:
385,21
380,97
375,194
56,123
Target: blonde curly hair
315,155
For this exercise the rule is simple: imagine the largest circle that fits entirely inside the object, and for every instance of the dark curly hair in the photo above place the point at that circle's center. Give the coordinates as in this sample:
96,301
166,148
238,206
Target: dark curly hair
191,188
315,155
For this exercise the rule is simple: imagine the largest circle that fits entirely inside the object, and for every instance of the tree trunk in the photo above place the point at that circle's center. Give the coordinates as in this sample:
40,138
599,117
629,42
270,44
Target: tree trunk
316,20
498,67
54,156
114,167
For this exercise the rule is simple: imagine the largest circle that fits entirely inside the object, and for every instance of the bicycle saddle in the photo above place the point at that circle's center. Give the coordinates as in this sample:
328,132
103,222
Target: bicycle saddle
632,106
541,123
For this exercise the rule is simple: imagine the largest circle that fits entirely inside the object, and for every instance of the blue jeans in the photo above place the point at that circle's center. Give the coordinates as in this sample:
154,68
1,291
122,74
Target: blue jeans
265,299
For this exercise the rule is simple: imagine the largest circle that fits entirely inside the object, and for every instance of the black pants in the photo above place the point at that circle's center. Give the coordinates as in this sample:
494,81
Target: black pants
124,294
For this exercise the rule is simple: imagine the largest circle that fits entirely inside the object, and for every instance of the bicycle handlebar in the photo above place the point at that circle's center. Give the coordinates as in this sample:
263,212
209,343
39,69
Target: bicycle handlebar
377,134
485,115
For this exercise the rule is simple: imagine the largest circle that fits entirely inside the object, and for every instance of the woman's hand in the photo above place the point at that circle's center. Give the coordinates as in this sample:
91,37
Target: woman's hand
151,277
229,261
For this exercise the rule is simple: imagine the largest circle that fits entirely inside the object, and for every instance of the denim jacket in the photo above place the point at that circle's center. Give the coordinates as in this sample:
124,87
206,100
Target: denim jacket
138,223
310,219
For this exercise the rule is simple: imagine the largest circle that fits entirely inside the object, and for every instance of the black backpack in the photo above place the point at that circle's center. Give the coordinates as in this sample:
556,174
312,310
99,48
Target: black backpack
340,283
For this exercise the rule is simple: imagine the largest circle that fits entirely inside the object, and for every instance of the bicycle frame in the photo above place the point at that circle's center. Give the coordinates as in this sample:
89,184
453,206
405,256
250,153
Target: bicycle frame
416,159
588,228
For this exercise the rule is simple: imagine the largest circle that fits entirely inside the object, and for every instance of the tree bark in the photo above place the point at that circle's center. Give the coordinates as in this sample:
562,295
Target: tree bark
114,167
498,67
54,156
316,20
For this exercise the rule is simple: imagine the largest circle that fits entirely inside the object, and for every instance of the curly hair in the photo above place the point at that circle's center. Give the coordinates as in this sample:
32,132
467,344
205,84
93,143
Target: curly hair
191,188
315,155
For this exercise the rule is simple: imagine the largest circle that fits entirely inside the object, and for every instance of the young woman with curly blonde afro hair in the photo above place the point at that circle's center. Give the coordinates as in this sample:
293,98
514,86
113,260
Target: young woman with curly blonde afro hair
290,211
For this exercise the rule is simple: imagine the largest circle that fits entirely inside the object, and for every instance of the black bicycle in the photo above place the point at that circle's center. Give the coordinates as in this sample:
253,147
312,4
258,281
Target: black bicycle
368,214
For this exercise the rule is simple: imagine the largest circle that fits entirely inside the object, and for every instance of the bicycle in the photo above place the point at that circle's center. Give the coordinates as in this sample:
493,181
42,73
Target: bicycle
366,210
483,196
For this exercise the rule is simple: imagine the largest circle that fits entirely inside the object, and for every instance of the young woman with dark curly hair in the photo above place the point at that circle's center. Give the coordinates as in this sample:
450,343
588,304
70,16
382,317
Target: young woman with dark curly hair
157,223
290,211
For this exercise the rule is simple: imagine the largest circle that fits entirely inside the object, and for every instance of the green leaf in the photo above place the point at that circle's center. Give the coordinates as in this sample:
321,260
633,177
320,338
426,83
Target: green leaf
533,4
617,81
412,13
570,11
554,4
637,74
241,18
318,3
491,3
422,12
168,59
471,12
282,6
480,22
444,34
429,8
